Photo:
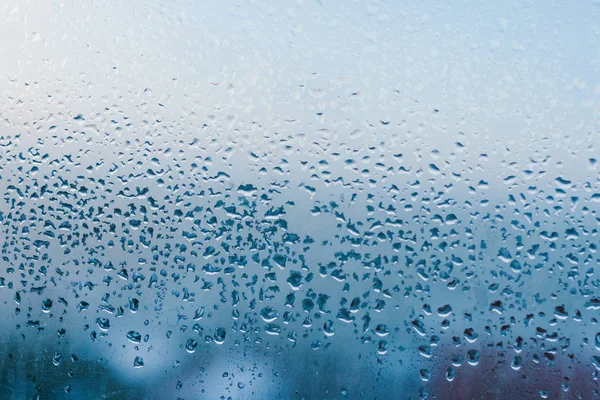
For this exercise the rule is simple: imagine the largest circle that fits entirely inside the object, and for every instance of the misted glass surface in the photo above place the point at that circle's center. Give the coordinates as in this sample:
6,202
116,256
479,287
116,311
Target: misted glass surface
299,199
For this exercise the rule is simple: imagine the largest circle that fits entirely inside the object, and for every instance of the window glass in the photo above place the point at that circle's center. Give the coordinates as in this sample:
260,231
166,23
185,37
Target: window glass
299,200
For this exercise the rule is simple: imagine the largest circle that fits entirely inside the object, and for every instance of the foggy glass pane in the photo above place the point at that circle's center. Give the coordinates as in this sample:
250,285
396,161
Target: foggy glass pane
299,200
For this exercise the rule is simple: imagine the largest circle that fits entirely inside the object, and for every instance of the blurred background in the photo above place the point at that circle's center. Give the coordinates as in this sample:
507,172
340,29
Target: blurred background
311,200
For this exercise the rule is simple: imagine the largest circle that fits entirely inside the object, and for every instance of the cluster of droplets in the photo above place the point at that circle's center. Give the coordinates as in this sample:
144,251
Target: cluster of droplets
382,252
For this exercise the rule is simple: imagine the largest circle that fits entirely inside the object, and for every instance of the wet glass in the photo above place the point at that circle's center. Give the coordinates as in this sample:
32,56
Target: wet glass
299,200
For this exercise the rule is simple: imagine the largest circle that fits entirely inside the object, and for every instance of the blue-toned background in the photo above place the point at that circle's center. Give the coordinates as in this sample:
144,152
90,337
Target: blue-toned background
299,200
